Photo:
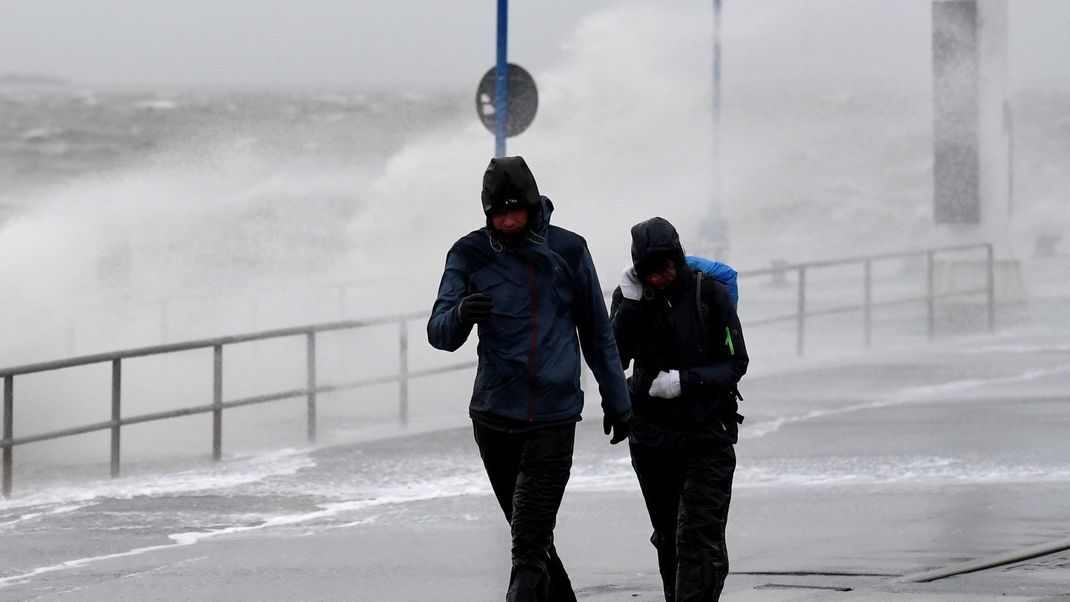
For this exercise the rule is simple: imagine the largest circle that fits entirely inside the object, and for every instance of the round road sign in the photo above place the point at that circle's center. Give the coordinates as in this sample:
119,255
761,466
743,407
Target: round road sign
523,100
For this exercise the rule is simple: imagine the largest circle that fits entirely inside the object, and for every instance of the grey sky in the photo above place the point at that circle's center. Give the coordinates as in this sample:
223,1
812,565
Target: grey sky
413,41
271,40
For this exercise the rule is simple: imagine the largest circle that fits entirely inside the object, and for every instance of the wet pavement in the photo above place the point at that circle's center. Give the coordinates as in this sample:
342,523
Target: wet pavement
856,499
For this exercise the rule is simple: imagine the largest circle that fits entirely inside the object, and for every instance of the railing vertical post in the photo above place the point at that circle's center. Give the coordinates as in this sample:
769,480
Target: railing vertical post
403,372
116,413
867,308
801,315
990,266
217,402
9,423
311,357
930,295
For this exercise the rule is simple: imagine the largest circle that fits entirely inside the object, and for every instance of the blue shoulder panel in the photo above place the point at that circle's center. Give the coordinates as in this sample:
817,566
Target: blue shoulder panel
720,272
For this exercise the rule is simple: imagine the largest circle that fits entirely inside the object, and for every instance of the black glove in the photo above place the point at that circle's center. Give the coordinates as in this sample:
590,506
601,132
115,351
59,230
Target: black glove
620,426
734,399
474,308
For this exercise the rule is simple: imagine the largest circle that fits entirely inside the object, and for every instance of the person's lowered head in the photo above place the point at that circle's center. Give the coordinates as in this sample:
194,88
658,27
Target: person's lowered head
658,271
511,201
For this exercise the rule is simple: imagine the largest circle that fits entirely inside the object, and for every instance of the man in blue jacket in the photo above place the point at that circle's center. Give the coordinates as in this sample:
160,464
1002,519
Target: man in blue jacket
530,288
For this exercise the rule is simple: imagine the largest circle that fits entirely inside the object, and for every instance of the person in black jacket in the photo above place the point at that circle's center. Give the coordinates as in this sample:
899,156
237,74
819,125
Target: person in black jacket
681,330
531,290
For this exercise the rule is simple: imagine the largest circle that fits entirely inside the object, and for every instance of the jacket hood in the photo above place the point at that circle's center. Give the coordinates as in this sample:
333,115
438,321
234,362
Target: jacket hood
508,183
652,239
542,220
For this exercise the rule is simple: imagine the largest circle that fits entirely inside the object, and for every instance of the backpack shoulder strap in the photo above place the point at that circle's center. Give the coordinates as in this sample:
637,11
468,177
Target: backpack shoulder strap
704,310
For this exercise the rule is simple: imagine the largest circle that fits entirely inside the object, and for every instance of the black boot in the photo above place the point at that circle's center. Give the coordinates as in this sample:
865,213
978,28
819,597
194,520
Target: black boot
560,584
528,583
666,547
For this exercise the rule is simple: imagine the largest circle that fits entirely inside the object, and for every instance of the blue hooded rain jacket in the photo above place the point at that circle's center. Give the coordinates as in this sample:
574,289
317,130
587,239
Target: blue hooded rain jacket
548,305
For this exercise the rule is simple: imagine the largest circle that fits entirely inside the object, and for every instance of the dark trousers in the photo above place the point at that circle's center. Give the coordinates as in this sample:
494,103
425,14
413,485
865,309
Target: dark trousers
687,493
528,472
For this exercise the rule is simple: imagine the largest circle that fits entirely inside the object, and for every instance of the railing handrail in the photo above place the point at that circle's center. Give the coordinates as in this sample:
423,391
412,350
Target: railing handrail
787,267
930,296
8,441
97,358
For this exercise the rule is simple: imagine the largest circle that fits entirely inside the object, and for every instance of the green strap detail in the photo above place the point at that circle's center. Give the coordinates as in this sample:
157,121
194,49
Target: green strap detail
728,341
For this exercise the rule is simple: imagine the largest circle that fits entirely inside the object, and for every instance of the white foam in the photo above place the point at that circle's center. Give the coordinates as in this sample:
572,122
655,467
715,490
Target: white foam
61,509
892,471
410,492
817,473
73,564
1016,349
613,475
225,475
157,104
901,397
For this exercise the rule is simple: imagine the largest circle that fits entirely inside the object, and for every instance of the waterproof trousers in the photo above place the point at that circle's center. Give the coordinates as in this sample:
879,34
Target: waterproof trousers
528,472
687,493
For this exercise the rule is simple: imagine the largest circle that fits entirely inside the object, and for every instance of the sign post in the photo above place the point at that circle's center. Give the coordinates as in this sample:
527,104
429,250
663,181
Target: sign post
506,99
714,228
720,228
501,80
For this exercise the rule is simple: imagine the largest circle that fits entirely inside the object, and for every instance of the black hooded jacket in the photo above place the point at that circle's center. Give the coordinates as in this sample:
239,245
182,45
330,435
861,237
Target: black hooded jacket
676,329
548,305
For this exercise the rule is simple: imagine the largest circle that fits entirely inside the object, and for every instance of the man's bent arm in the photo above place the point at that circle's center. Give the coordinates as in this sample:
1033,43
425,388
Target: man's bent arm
444,329
596,340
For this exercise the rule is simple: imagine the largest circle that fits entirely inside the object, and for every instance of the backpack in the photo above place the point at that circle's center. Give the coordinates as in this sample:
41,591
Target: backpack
725,275
721,273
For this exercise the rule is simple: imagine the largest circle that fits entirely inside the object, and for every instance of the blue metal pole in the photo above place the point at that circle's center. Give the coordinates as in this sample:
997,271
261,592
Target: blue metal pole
501,81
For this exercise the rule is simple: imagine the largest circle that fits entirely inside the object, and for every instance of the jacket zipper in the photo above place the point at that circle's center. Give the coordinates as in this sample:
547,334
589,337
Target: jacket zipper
534,339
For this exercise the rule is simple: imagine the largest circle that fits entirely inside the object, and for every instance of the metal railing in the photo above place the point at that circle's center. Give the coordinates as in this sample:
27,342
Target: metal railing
868,304
164,308
117,421
9,441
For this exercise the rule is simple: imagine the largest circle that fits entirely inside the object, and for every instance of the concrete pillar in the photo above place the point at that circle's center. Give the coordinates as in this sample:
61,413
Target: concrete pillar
971,143
956,181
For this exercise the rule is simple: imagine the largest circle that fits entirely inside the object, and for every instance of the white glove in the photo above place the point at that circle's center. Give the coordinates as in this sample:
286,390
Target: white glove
666,385
630,286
